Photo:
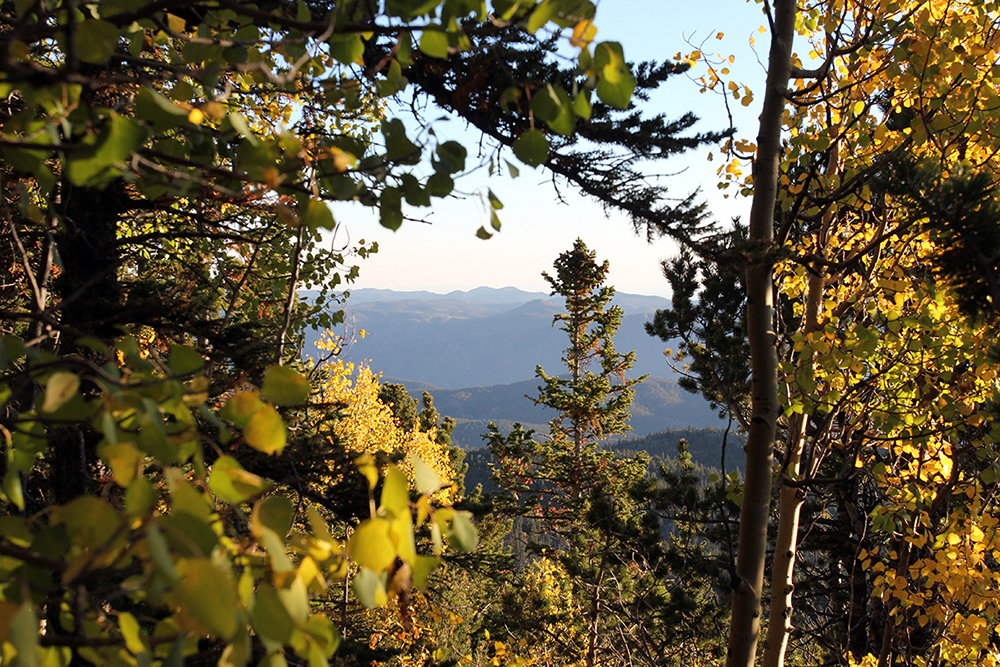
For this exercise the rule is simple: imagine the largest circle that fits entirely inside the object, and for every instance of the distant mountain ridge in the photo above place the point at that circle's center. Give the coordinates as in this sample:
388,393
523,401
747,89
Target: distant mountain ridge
476,352
498,295
481,337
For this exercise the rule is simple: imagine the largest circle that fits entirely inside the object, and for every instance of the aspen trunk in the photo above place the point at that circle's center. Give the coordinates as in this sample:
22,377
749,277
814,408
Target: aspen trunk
745,624
779,624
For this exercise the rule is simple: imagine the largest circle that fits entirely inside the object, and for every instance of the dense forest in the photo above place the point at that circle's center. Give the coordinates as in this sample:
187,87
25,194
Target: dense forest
183,484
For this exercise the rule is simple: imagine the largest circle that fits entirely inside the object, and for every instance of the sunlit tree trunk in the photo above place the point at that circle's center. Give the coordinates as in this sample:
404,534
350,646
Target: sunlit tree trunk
745,624
791,498
790,502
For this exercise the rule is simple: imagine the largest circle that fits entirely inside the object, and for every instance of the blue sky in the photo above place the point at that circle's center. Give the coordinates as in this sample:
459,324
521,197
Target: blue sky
445,255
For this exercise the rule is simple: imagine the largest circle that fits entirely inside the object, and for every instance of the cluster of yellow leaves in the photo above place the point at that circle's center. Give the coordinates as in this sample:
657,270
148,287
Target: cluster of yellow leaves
368,426
901,382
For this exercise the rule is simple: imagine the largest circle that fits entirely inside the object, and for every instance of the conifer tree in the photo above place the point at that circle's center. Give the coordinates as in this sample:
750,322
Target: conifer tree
599,549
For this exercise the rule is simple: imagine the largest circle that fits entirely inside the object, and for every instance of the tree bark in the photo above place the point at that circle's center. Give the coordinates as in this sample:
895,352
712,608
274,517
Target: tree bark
779,624
745,624
791,498
89,289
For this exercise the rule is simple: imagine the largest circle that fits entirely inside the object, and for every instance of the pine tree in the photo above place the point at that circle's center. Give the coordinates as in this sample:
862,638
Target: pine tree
592,537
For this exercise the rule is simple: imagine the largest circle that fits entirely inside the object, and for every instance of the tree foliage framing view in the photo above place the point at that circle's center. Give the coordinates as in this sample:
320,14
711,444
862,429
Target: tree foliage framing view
181,486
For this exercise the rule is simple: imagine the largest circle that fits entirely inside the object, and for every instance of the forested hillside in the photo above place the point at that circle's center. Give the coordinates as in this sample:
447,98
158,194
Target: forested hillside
704,446
658,405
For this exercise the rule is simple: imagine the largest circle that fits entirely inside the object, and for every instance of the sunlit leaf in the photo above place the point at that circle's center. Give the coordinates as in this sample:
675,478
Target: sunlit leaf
285,386
434,43
370,545
423,566
232,484
395,491
427,480
100,156
207,600
265,431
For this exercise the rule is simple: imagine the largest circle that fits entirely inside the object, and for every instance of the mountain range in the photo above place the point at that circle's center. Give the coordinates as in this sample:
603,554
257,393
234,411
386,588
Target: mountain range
476,353
482,337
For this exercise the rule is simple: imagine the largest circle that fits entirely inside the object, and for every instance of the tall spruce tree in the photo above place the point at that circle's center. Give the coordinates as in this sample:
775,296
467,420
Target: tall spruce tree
600,565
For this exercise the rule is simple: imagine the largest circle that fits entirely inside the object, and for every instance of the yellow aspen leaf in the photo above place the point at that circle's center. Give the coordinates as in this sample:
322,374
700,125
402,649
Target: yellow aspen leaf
583,33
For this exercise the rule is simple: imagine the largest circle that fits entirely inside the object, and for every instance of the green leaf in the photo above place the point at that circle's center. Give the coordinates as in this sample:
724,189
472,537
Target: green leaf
552,104
270,618
403,539
346,48
463,532
285,386
434,43
96,41
90,521
514,171
140,498
159,553
241,407
495,202
370,545
615,83
413,192
440,184
274,513
989,475
398,146
99,157
276,553
427,480
159,111
234,485
531,148
60,387
207,599
423,566
295,599
581,105
451,156
369,588
483,234
23,631
123,458
317,215
184,360
395,492
12,488
391,208
541,14
265,431
130,630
